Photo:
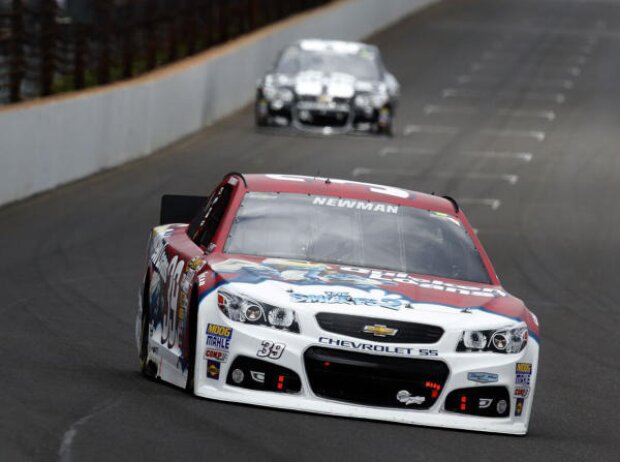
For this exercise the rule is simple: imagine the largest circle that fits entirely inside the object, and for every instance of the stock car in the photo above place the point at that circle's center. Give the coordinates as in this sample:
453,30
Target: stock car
328,86
335,297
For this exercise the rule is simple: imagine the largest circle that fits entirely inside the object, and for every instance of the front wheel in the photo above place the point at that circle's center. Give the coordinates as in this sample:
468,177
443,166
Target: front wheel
385,122
261,113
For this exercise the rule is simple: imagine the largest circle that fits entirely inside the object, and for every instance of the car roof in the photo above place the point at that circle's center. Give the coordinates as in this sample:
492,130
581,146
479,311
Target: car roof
336,46
348,189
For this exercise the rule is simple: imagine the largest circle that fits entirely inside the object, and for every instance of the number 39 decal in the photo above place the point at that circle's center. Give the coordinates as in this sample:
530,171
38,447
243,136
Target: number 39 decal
271,350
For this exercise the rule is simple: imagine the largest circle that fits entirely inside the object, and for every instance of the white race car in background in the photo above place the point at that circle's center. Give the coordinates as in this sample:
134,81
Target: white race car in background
328,86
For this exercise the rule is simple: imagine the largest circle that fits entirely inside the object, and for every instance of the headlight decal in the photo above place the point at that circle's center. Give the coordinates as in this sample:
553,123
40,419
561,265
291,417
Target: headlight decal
241,308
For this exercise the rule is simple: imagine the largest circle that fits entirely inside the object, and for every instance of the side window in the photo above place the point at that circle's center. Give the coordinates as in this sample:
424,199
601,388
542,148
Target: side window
197,221
215,210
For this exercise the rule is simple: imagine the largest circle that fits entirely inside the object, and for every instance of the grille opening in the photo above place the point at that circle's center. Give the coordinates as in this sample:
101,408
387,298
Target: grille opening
255,374
357,326
374,380
480,401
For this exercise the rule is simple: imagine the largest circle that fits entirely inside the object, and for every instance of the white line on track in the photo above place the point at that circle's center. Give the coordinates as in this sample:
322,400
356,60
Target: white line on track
437,109
478,66
430,129
64,453
534,134
558,98
468,110
548,115
493,203
392,150
499,55
523,156
507,177
565,84
558,59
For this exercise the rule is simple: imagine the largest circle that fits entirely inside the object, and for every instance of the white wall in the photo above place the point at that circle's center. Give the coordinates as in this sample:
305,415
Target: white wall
60,139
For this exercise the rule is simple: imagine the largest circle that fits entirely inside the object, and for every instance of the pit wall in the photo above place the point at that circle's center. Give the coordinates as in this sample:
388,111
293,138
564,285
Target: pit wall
52,141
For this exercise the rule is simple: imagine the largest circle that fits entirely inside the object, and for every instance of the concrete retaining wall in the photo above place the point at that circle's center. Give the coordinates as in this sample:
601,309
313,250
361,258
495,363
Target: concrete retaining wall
53,141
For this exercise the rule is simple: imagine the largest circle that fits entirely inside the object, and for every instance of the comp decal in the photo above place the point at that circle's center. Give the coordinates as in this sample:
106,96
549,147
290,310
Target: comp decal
217,355
522,392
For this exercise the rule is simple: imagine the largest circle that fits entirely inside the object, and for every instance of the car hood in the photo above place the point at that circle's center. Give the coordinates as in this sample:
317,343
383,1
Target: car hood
332,287
316,83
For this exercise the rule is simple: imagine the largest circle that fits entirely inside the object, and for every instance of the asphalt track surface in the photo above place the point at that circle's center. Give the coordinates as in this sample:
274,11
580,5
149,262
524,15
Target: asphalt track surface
511,106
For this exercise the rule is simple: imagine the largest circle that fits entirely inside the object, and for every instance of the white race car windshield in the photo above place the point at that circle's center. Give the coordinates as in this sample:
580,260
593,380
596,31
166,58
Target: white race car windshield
295,60
355,233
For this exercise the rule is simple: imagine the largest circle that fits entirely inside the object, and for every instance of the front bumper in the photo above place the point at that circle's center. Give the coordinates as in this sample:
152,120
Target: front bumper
324,118
247,341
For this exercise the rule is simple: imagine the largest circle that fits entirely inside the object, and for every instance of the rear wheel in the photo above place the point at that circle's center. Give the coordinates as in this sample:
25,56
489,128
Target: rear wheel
193,323
145,367
261,113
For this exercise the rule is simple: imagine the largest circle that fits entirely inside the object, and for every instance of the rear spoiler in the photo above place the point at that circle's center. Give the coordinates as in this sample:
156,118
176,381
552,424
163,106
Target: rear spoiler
180,209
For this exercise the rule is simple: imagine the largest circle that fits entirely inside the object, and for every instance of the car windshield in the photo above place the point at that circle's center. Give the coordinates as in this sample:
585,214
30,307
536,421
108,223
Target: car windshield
355,233
360,65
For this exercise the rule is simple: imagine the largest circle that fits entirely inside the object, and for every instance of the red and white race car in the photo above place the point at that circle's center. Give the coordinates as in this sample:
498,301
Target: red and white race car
335,297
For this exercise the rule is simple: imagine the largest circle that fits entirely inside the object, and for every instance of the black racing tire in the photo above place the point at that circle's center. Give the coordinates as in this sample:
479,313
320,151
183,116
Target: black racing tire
259,119
192,319
145,367
386,129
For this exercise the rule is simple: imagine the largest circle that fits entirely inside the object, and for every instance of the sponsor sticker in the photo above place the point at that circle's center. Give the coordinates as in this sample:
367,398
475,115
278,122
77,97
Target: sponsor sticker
522,392
196,263
524,368
523,374
367,206
523,379
405,397
519,407
217,355
391,301
218,337
361,346
482,377
213,370
321,274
